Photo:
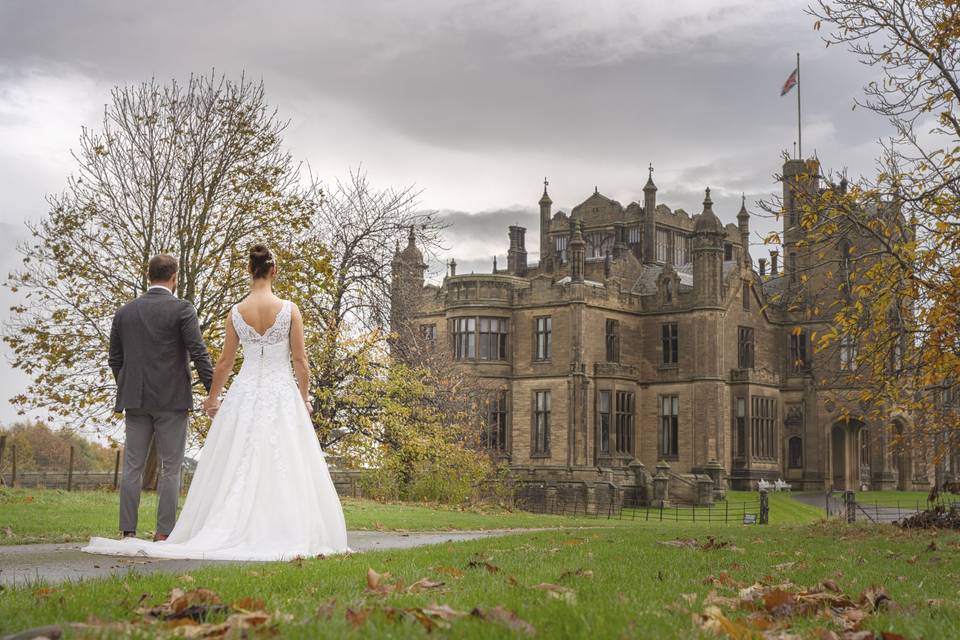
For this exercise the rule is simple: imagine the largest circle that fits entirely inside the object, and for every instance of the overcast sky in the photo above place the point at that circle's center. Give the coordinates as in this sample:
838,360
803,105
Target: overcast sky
472,102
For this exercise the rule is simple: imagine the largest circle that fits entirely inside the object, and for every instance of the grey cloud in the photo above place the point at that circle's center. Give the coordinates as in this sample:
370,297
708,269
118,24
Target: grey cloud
474,101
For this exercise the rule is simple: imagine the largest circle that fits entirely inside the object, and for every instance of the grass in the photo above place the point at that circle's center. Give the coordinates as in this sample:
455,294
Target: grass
44,515
783,510
48,515
639,586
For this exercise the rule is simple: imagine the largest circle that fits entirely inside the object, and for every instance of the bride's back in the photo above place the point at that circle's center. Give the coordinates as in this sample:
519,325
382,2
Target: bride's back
260,310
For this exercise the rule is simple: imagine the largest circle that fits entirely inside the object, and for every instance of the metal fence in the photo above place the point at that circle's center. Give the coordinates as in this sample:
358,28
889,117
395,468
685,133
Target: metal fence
847,506
612,502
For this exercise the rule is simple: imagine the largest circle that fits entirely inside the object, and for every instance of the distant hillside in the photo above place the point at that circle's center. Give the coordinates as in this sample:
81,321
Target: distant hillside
41,449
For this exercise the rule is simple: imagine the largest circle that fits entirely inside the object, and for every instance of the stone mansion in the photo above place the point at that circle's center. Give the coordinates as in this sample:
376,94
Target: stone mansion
646,341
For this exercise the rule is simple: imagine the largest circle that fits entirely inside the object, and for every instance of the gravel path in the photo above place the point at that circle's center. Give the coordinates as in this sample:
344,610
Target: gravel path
54,563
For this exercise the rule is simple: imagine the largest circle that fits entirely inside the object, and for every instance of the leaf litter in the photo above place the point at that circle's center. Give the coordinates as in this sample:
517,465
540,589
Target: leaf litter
774,610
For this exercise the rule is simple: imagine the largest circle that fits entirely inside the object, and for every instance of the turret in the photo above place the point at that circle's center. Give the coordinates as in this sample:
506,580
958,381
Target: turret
801,182
578,252
517,253
708,235
545,204
743,221
406,284
649,219
408,265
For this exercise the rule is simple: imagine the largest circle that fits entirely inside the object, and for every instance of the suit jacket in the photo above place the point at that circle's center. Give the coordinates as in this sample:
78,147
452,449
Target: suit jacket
152,341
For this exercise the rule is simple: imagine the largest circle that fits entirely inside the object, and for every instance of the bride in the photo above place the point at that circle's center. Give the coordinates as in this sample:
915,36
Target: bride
261,490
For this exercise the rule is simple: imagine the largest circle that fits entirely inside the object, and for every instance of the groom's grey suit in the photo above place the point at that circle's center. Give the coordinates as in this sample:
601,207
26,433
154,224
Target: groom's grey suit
152,341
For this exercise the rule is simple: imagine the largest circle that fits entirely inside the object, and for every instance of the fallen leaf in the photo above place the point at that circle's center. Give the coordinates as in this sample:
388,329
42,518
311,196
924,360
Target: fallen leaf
248,604
874,598
443,611
560,592
375,580
492,568
505,617
356,618
423,584
451,571
46,592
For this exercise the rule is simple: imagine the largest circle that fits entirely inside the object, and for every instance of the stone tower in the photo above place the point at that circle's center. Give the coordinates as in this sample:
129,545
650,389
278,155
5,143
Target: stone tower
650,219
743,222
406,281
708,235
801,179
545,205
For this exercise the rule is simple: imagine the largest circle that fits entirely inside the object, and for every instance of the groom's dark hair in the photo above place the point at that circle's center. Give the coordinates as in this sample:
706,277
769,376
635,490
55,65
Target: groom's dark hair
161,268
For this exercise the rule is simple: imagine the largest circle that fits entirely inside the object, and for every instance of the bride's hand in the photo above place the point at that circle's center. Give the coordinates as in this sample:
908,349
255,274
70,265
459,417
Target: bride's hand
210,406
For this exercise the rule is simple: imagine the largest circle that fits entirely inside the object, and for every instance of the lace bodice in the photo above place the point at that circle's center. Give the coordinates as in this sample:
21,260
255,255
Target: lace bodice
278,332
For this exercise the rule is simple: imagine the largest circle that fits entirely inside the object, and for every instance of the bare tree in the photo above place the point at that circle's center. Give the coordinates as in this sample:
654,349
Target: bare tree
347,296
196,170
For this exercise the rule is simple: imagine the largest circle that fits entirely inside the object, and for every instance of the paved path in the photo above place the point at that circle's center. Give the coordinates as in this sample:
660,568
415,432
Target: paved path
817,499
865,512
54,563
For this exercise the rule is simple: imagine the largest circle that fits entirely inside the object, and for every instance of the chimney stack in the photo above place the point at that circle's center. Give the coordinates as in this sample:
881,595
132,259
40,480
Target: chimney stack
774,255
517,254
763,266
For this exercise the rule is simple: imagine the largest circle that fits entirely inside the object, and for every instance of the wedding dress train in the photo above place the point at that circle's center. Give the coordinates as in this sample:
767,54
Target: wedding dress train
262,490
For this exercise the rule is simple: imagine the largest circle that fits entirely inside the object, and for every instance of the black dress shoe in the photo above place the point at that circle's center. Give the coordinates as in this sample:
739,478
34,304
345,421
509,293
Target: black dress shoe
129,534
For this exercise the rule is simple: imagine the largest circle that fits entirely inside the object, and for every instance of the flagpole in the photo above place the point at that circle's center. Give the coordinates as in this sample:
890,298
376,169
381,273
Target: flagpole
799,128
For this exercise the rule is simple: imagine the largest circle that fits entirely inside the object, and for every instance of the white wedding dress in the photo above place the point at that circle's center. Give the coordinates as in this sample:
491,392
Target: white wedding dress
262,490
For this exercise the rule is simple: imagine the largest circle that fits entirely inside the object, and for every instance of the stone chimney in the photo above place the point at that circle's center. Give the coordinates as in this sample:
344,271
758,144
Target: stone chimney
774,256
763,266
453,267
578,252
517,254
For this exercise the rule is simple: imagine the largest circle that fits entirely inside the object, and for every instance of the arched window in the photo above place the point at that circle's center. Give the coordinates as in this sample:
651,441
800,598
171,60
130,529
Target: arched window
795,453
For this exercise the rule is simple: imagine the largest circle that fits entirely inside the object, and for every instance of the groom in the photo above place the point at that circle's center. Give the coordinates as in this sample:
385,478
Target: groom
152,341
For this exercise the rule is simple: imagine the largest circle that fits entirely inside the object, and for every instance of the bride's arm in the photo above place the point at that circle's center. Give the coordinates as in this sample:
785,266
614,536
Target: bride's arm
224,366
298,350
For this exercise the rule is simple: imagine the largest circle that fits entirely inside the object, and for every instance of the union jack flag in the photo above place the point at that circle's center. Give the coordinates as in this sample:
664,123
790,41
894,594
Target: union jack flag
790,83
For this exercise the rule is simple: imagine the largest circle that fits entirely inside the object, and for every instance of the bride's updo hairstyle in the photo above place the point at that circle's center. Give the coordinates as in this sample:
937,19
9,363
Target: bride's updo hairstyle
261,261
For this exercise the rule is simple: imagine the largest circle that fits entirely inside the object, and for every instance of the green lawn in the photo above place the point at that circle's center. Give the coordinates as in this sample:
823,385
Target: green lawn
638,581
44,515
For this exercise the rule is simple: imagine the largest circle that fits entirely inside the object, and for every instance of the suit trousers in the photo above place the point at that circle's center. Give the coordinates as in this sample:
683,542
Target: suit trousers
170,428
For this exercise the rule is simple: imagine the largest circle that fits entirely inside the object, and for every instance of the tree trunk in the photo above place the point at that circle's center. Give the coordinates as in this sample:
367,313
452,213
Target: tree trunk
151,470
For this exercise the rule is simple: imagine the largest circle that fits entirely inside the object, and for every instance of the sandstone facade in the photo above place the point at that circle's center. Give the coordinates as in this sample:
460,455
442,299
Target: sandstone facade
646,336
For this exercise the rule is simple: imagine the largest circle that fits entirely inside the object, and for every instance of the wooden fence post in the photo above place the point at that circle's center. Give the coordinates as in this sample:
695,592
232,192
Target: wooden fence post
3,446
13,466
116,469
70,470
